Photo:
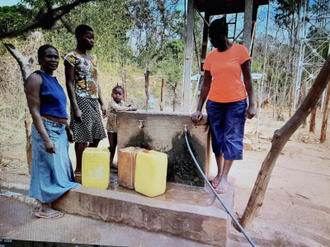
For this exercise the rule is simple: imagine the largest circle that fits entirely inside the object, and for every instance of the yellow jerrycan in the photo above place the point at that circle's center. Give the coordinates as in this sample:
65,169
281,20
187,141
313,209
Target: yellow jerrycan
95,168
150,173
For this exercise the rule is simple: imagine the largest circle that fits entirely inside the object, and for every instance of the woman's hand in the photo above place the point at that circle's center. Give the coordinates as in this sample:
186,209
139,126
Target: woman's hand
251,112
78,115
69,133
50,146
104,111
196,117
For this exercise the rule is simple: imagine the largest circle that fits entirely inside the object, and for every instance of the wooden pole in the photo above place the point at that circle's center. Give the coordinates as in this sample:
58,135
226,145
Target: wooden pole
325,117
312,120
291,100
123,80
260,90
247,36
146,87
188,56
302,95
280,138
162,99
175,96
196,51
204,48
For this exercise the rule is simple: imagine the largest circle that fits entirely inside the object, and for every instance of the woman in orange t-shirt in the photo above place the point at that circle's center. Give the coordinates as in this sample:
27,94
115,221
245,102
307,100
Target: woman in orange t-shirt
226,106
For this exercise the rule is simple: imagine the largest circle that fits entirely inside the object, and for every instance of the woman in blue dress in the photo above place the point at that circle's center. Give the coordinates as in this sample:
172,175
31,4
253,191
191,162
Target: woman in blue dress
51,173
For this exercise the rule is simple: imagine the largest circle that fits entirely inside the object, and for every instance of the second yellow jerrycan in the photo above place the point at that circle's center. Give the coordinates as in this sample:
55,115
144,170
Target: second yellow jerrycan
150,173
95,168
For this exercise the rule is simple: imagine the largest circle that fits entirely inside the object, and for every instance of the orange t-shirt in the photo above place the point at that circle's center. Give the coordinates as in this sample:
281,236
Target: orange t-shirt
225,67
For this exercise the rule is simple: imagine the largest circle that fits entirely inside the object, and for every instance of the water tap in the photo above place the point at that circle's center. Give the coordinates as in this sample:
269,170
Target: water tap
185,127
141,124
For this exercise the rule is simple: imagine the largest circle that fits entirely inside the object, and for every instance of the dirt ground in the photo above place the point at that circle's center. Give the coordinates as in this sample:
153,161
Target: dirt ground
296,209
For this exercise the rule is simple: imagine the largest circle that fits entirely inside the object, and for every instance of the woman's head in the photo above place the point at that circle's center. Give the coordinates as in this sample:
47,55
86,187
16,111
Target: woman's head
48,58
117,93
85,36
218,31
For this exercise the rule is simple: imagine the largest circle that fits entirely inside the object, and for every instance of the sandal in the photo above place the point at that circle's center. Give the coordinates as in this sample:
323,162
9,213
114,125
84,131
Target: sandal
54,215
114,168
78,177
77,174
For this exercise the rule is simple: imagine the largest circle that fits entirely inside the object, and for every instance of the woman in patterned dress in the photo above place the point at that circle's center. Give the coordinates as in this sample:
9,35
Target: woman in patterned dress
84,93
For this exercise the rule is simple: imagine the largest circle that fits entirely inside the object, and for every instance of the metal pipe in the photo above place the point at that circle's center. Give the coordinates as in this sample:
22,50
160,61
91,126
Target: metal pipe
213,190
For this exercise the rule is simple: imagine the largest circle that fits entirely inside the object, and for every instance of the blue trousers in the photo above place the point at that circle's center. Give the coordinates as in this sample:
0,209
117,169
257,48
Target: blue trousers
227,122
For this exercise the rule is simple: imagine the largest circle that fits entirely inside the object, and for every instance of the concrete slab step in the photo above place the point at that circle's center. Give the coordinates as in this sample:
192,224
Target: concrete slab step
189,212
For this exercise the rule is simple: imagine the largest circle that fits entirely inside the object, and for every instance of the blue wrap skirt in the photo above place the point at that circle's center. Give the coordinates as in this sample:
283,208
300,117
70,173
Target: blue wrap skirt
51,174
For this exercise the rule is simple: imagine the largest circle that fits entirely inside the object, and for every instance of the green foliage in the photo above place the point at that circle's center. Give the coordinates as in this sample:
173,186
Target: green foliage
257,66
14,17
285,11
170,61
110,22
153,24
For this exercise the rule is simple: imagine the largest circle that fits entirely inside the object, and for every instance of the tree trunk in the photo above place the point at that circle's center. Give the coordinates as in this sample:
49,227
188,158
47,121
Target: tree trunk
25,65
280,138
28,147
123,80
162,100
146,87
325,117
312,120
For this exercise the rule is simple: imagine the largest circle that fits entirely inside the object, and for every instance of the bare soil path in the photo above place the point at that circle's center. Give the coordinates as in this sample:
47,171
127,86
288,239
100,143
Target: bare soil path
296,209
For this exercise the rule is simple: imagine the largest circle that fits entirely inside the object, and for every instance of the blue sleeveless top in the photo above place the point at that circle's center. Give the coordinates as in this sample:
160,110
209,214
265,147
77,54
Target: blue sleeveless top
52,97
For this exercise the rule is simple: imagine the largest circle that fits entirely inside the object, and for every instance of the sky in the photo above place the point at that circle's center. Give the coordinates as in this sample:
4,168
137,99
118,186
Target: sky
8,2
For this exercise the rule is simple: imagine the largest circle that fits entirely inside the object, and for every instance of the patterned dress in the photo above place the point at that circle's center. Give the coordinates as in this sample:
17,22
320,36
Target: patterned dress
87,95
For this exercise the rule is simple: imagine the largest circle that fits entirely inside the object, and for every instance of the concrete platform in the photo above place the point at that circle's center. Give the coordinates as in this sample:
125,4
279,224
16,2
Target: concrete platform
189,212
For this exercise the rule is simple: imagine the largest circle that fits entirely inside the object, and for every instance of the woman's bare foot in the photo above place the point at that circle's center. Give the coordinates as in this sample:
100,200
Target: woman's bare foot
223,187
216,181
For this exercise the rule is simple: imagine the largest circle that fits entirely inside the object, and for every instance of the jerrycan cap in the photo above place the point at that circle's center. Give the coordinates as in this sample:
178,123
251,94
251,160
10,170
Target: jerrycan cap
145,151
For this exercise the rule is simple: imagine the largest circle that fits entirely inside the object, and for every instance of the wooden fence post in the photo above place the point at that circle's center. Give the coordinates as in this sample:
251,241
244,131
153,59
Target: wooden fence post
123,80
175,96
146,87
312,120
325,117
162,99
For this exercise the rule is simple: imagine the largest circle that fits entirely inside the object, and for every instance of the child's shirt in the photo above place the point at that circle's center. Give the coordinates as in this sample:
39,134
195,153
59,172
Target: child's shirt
113,108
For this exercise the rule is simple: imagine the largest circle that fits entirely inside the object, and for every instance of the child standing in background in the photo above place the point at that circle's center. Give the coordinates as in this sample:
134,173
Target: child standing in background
116,104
